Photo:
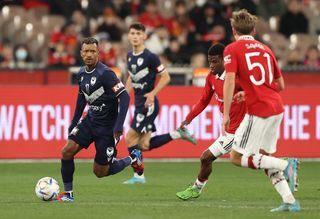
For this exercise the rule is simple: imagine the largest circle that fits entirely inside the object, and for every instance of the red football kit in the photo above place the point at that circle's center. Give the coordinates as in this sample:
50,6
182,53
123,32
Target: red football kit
256,68
214,85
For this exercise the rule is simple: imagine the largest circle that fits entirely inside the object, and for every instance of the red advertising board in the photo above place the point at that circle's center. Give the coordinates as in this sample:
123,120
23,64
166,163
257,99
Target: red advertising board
34,122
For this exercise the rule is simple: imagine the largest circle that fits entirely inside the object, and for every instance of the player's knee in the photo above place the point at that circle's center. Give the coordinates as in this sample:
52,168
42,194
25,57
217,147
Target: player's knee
66,153
99,173
235,158
207,158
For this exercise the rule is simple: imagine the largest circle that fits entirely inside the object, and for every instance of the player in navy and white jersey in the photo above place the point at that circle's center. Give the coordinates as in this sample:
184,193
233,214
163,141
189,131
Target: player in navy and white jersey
108,103
143,68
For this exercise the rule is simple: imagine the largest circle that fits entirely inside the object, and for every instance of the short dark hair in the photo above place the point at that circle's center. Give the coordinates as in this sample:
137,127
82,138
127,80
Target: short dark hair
137,26
89,40
216,50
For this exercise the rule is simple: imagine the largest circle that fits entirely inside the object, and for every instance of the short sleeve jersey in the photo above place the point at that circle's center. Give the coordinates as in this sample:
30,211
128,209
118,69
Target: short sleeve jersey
256,68
100,88
214,86
143,69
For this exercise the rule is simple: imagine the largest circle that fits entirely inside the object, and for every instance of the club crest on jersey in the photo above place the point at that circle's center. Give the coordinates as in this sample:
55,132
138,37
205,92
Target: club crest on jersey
140,61
134,68
93,81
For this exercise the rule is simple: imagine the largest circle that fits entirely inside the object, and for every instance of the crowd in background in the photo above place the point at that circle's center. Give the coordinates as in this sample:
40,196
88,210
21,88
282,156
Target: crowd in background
179,31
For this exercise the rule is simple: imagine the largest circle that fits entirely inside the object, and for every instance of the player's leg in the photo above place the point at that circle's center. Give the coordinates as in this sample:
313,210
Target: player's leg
132,139
105,162
248,139
221,146
80,137
67,169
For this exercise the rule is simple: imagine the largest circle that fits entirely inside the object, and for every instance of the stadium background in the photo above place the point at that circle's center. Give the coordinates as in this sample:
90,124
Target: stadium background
37,95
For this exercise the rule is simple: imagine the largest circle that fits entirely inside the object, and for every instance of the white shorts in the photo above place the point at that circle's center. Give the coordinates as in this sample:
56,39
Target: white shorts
222,145
255,133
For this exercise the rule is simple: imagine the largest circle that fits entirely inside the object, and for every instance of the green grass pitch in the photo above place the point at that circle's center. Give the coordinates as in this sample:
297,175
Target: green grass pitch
231,192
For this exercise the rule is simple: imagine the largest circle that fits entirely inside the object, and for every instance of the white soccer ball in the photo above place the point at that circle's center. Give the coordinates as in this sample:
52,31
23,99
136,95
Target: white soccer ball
47,188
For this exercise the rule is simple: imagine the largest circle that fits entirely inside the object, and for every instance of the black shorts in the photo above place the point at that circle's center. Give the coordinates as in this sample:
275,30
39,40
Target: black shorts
85,133
143,120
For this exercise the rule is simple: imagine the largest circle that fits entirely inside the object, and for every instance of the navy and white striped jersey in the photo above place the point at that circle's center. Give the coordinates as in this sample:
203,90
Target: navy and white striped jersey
100,88
143,69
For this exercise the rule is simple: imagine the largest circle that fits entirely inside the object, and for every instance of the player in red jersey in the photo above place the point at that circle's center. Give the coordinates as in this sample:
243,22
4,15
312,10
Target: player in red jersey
222,145
255,66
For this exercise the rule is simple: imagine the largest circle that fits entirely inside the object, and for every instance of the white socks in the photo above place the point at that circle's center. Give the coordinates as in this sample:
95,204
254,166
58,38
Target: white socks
175,134
199,185
281,185
260,161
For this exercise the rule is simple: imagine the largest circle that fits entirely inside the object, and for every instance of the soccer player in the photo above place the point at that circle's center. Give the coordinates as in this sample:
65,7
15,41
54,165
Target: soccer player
222,145
143,68
254,64
108,104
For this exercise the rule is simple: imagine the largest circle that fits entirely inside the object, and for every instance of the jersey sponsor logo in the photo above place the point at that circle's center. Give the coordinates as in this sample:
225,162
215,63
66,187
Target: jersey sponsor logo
136,76
227,59
97,108
117,87
160,68
93,81
138,85
95,95
140,61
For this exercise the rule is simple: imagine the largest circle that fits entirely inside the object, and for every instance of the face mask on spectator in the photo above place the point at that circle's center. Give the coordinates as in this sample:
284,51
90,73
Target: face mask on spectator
21,54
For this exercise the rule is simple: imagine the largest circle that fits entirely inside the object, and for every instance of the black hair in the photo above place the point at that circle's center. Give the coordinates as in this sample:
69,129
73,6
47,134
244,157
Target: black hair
216,50
89,40
138,26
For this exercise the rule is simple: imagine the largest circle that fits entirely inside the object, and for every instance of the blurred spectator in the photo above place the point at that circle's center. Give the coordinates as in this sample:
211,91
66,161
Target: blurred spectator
151,18
64,8
6,54
235,5
107,53
180,24
312,57
218,34
198,60
131,8
10,2
175,54
269,8
68,36
96,7
111,25
293,20
60,56
27,4
158,40
294,58
21,57
80,22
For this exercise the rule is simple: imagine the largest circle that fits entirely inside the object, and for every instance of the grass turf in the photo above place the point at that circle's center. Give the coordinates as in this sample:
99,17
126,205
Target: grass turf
231,192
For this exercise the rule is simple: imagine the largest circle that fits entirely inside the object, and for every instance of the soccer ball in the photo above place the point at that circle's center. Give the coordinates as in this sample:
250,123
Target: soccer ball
47,188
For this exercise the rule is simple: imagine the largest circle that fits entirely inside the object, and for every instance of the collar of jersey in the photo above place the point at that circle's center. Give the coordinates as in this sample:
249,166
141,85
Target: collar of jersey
89,72
246,37
137,54
222,76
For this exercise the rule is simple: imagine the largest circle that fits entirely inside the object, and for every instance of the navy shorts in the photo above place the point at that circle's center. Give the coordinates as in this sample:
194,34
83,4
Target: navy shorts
143,120
85,133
